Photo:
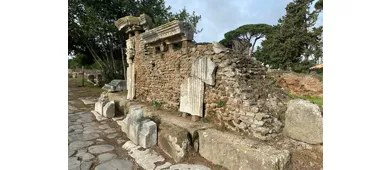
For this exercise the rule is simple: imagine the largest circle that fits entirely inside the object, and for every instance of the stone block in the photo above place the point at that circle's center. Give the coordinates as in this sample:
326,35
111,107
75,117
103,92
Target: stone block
148,135
218,48
99,106
174,141
140,132
172,32
115,85
204,69
134,124
303,122
218,147
109,110
191,96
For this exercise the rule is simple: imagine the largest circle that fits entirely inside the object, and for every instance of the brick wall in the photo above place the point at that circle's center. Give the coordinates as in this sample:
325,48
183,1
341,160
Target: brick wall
240,100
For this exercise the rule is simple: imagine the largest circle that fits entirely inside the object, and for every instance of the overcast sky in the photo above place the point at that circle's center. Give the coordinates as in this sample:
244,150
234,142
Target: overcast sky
221,16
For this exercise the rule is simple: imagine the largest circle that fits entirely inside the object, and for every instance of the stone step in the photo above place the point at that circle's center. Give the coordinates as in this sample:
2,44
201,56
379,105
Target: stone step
108,87
235,152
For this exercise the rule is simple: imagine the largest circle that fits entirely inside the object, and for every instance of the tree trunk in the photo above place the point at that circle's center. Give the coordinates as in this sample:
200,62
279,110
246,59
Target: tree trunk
253,47
123,64
82,78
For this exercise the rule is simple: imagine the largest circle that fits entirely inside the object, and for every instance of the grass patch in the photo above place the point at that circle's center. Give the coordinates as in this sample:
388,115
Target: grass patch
156,103
206,120
221,103
78,81
219,166
315,100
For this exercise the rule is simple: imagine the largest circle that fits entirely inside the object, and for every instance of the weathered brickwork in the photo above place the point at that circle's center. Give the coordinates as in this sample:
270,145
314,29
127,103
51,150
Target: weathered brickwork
241,99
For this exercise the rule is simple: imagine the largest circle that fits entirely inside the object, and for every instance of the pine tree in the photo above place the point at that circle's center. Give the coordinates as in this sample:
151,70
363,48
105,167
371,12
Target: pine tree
293,39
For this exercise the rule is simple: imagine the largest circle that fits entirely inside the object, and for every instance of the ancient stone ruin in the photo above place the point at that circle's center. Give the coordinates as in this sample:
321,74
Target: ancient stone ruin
167,67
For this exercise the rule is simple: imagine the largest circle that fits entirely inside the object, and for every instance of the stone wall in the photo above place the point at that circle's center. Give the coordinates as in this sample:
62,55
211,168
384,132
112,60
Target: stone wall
167,69
240,99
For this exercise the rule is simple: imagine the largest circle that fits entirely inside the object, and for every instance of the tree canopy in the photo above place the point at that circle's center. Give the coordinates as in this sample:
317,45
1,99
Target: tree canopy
92,34
294,38
246,35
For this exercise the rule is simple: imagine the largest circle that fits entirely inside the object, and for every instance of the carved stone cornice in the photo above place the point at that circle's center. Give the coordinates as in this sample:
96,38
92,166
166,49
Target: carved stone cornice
172,32
130,24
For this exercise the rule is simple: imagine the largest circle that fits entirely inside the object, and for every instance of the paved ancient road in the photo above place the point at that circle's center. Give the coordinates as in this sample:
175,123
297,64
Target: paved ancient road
93,144
101,145
90,145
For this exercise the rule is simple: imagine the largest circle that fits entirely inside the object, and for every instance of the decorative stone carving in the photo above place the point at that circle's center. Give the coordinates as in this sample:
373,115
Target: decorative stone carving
204,69
130,24
172,32
115,85
191,96
130,49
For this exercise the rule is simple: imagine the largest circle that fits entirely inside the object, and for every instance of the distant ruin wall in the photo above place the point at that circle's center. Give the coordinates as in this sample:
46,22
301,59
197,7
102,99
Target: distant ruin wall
239,100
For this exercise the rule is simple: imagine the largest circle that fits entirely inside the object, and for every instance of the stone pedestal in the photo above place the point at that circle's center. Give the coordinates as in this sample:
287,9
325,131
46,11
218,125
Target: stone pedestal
102,101
148,135
140,132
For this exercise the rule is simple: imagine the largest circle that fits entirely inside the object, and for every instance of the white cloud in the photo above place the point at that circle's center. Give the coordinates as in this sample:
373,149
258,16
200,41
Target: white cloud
221,16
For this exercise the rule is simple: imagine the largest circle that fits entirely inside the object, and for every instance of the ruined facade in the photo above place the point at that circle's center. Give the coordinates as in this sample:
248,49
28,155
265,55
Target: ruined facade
209,81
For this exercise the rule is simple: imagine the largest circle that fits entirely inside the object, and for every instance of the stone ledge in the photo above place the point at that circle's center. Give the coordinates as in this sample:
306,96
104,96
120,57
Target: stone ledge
171,117
217,147
174,141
